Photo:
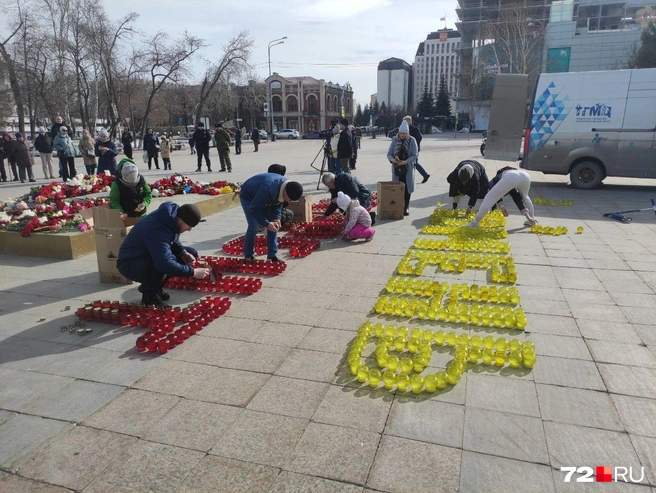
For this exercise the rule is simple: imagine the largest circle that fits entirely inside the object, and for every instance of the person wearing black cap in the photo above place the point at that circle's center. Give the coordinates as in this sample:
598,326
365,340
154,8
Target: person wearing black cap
344,146
262,198
152,251
202,138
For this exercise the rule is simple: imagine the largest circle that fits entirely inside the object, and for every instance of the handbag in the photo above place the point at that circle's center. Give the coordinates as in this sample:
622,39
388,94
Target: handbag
400,170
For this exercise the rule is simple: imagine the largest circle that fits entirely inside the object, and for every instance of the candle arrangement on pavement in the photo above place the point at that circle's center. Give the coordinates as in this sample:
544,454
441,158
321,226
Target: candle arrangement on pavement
161,322
403,354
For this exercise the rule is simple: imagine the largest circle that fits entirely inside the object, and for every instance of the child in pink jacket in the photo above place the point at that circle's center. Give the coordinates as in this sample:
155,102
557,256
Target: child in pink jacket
357,221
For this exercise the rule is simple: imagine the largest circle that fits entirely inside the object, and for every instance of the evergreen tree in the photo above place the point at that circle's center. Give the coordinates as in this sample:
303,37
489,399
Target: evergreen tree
359,117
443,102
425,107
383,109
366,114
375,108
646,55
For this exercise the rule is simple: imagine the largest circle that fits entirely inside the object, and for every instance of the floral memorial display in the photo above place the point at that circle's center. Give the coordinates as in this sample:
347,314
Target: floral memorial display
55,207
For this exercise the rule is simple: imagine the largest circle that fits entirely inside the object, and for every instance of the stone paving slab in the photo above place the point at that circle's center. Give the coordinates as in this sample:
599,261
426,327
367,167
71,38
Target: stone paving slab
263,399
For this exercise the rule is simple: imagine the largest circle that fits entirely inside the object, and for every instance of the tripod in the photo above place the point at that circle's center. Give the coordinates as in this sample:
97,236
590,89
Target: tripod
324,163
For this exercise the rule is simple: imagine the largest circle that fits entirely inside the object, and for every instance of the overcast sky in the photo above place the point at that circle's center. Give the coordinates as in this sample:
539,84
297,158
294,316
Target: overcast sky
340,41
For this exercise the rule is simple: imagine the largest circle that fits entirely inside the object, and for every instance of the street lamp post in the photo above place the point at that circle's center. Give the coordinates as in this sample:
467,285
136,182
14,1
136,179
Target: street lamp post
273,43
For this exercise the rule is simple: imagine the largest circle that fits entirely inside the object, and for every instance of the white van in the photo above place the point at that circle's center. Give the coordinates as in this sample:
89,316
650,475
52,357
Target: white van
591,125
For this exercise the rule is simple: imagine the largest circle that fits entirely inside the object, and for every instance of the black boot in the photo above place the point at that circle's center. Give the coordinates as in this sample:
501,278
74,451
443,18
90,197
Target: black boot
372,214
154,301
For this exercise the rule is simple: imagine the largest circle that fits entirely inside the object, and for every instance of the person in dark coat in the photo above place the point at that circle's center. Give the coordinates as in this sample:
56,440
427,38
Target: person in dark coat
255,137
344,146
23,158
348,185
151,146
354,147
414,132
106,153
57,125
192,145
5,148
469,178
43,144
237,141
262,197
202,138
126,140
152,251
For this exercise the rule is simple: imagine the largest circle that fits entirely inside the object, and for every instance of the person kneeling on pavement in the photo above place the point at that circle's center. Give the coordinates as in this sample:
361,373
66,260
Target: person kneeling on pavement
349,185
152,251
262,198
357,222
130,194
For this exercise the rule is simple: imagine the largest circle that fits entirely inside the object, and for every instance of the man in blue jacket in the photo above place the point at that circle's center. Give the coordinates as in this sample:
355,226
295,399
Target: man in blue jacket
152,252
262,198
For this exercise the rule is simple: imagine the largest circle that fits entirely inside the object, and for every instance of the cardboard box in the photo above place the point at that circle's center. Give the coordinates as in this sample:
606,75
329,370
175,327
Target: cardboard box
109,232
391,200
302,209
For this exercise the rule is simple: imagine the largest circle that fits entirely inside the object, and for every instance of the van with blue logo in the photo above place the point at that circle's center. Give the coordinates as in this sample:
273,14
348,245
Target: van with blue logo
593,125
589,125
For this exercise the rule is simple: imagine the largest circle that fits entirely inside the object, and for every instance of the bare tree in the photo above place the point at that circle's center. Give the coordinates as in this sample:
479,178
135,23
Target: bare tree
104,36
166,63
11,68
236,53
517,41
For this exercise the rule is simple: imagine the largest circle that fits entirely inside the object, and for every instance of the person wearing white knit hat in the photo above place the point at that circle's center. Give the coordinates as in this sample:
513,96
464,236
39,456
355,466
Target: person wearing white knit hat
402,153
357,222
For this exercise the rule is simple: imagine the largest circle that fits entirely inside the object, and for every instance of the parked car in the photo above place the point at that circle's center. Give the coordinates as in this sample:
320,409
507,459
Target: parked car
287,133
315,134
178,145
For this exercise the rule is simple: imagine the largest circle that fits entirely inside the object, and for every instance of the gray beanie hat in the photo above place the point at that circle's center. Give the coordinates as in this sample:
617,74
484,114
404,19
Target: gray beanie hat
130,173
465,173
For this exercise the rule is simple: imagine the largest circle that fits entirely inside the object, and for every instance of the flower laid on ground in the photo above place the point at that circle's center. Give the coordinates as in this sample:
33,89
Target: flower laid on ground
52,214
55,217
179,184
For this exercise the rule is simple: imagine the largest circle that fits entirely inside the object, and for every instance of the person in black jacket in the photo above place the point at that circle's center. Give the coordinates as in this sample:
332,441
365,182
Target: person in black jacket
414,132
255,137
57,124
43,144
348,185
151,146
202,138
469,178
344,146
4,154
126,140
354,147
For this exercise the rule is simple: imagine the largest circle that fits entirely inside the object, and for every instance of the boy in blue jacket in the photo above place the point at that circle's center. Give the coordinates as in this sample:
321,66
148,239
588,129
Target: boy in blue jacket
152,252
262,198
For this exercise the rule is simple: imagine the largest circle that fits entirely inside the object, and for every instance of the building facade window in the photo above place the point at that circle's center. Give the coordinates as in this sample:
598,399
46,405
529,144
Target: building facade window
292,104
277,103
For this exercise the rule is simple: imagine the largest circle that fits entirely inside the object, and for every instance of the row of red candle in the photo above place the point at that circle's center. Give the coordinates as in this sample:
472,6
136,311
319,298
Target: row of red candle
227,264
90,314
164,337
226,284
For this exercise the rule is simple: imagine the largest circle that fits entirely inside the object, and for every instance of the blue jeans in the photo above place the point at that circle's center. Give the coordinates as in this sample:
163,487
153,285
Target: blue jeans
142,269
334,166
253,227
421,170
